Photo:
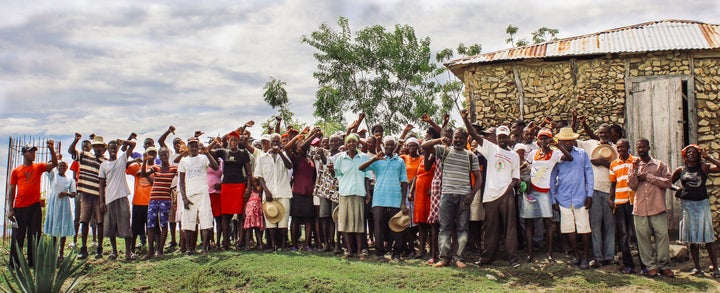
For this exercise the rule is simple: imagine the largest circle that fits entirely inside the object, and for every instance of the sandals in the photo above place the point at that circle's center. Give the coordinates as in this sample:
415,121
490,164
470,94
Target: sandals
440,264
112,256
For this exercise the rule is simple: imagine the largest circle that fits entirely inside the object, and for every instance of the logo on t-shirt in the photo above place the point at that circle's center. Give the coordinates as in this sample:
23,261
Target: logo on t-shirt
500,165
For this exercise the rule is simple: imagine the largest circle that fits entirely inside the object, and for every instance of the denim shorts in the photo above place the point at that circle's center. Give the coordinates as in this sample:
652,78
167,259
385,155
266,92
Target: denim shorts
541,208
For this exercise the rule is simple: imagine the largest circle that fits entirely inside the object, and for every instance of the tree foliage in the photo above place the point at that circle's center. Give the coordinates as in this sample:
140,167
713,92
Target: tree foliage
385,73
277,97
539,36
449,88
544,34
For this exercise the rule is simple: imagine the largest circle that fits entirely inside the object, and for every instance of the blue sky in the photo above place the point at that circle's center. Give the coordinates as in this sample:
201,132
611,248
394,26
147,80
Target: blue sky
115,67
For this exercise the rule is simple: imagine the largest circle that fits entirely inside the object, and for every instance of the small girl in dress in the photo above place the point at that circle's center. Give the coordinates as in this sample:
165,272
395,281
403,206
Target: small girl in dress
254,220
59,218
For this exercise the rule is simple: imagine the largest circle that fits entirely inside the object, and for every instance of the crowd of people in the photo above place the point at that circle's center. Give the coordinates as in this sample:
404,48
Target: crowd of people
431,195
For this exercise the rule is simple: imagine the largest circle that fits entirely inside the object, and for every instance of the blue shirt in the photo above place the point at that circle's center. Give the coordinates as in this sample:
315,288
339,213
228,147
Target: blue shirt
572,181
389,174
351,180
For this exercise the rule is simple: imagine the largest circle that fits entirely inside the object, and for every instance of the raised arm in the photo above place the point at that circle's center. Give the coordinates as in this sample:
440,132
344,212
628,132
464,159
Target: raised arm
129,144
163,137
446,119
716,163
353,127
72,148
53,155
471,130
426,118
123,147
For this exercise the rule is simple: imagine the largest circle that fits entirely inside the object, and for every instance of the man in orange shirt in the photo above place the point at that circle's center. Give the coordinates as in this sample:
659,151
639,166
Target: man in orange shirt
24,207
621,201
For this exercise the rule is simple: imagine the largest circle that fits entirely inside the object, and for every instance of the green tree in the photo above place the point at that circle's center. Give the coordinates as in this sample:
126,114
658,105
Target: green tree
384,73
511,31
541,35
449,87
544,34
276,96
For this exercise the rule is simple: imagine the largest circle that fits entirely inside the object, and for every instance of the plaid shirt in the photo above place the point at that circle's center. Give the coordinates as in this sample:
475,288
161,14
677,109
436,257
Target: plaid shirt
435,192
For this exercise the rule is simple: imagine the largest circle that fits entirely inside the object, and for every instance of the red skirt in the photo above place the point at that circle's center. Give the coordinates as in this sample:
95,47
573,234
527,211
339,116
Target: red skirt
215,204
232,198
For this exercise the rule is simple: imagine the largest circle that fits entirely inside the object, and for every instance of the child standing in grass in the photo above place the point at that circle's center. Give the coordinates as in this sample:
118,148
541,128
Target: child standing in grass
59,220
254,220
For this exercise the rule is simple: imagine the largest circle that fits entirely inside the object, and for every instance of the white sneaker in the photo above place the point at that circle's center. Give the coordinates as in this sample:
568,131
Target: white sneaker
71,244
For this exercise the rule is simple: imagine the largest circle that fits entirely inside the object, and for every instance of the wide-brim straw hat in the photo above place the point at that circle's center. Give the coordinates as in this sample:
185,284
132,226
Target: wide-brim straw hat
566,133
399,222
98,140
335,214
604,151
274,211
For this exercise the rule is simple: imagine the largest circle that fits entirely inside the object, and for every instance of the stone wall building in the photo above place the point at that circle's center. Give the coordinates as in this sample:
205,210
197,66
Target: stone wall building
658,79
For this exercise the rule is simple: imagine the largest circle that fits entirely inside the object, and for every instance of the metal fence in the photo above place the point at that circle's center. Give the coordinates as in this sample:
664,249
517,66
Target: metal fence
14,159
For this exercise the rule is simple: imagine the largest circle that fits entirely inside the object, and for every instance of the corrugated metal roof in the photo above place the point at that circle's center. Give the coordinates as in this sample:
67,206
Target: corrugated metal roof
660,35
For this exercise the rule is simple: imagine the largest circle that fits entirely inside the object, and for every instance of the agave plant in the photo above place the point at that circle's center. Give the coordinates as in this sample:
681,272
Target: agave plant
46,275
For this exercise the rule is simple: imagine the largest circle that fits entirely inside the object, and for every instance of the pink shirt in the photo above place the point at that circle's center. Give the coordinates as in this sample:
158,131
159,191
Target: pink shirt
215,177
650,193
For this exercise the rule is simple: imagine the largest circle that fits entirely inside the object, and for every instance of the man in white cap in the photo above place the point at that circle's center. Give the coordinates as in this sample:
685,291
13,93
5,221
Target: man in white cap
272,167
503,175
24,206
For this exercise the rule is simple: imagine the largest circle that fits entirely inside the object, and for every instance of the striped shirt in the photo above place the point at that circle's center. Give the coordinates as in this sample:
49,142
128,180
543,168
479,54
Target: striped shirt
457,166
619,175
389,175
162,183
89,182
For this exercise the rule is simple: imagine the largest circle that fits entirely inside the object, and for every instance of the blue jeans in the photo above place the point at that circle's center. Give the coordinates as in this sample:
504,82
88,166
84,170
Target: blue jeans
602,221
453,214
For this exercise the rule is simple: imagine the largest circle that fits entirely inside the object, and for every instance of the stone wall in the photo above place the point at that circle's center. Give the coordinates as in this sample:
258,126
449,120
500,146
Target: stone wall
707,82
596,87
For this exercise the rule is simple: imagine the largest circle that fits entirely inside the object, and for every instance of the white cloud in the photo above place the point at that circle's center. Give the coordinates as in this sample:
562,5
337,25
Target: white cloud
112,67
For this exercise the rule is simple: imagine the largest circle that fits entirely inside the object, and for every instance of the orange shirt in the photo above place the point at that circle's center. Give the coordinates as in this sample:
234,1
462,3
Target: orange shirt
27,179
619,170
411,165
141,194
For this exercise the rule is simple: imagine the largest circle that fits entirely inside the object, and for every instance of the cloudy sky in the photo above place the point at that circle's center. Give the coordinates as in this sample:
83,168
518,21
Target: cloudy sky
120,66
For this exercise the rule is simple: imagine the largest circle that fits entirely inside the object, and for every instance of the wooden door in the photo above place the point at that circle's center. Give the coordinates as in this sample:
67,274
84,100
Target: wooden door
654,110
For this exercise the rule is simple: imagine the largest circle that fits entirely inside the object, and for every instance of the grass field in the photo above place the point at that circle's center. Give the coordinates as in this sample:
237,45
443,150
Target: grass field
253,271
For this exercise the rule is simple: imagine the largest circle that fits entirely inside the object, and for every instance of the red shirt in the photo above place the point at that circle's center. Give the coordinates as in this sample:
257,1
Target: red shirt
27,179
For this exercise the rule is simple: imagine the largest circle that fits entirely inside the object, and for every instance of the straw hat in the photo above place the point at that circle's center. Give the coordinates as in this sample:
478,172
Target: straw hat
335,214
399,222
604,151
98,140
566,133
273,211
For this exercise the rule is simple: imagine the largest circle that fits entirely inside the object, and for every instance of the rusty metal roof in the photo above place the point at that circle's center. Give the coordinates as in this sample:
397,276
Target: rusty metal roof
660,35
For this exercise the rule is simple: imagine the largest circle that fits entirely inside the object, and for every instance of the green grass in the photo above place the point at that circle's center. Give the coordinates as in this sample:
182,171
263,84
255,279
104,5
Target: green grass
320,272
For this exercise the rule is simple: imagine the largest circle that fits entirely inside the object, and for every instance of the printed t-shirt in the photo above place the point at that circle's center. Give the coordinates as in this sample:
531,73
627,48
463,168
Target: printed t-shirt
27,180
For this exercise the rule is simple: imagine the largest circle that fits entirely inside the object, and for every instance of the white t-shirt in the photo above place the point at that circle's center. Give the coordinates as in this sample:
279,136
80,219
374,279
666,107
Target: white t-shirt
541,168
195,169
115,178
502,166
600,173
